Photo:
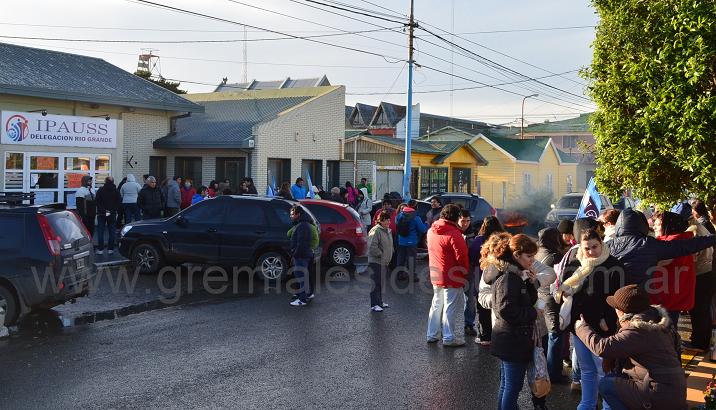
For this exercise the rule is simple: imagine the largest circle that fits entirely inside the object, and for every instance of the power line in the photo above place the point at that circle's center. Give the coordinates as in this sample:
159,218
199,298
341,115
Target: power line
92,40
462,88
492,86
151,29
502,66
372,15
210,17
526,30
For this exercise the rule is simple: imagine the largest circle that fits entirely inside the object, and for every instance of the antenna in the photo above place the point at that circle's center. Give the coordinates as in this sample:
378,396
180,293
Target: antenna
245,74
148,62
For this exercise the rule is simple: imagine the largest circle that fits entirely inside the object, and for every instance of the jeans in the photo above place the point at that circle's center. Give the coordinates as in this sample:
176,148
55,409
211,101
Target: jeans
301,272
131,213
470,301
376,277
109,222
406,259
555,345
701,313
512,377
591,367
608,390
446,314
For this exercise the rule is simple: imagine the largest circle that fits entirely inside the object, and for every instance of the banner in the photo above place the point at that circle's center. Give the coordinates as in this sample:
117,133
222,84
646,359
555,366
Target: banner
591,202
33,128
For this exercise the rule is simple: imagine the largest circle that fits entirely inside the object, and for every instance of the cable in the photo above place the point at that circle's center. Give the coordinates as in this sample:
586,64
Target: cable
463,88
500,65
207,16
151,29
356,12
91,40
491,86
526,30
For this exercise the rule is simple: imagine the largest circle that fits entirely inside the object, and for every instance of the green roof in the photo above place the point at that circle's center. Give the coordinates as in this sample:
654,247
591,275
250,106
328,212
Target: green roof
565,157
522,150
353,133
577,124
443,149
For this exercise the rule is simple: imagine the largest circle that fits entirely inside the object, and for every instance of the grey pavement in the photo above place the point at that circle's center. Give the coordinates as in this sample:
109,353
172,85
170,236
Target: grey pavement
253,350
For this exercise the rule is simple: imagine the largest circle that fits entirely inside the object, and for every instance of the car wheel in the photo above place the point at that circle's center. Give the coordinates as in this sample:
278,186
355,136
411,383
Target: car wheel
271,266
147,258
340,254
9,304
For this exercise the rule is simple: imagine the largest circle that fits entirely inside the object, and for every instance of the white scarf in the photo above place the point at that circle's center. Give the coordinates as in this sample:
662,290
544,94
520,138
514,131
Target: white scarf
575,282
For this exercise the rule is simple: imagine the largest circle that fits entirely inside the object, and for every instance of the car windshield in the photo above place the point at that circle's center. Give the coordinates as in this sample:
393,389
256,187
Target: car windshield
569,202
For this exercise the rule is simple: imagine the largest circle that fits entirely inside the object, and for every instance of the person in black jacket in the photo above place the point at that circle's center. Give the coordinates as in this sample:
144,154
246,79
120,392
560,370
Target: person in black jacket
86,203
640,252
301,253
108,202
150,200
506,264
587,282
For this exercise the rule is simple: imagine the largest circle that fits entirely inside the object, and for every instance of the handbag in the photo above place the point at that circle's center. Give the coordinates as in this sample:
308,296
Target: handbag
537,373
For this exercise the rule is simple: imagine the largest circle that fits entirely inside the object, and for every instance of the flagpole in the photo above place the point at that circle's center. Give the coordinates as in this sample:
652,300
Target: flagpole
409,109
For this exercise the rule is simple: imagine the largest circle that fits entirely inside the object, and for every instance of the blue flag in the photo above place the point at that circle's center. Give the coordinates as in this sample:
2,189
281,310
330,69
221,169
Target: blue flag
310,185
591,202
271,189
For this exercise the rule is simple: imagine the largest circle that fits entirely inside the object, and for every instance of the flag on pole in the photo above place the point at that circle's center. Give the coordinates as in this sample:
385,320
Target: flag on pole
271,189
310,184
591,202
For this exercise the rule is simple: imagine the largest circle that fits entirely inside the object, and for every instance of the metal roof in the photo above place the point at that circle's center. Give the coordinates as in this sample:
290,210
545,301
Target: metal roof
35,72
576,124
288,82
226,123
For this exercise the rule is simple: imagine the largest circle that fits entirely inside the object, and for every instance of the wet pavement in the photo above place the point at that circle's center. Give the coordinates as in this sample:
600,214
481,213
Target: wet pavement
253,350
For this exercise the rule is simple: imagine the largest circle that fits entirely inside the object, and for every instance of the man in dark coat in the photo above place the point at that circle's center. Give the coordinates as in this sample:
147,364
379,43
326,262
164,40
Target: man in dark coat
150,200
301,253
640,252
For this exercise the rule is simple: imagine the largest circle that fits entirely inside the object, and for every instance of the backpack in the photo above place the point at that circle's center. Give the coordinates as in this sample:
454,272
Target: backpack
403,226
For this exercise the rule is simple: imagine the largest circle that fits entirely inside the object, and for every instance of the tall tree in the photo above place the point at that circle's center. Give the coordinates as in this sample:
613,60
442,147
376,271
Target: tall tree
653,77
169,85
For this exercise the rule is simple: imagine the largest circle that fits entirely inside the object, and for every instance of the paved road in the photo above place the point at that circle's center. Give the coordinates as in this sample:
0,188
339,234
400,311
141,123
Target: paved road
256,352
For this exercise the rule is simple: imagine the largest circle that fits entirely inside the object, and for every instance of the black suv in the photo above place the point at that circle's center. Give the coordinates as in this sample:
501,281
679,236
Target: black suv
228,230
478,206
46,254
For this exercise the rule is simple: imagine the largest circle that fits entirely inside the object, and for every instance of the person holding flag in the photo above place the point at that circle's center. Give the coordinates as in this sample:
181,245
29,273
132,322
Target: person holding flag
591,202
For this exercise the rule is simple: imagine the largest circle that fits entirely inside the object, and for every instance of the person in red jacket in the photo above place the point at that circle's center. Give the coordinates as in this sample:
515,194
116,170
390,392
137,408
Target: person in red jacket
449,264
673,286
187,193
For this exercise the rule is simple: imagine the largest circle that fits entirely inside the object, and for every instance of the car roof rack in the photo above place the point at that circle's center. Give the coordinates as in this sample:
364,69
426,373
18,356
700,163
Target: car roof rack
17,198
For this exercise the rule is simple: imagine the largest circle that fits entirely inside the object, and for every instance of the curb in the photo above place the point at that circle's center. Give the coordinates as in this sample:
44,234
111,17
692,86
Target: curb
107,264
93,317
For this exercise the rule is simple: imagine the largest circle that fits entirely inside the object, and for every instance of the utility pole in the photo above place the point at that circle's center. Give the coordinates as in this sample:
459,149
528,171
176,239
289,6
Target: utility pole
409,108
245,74
522,127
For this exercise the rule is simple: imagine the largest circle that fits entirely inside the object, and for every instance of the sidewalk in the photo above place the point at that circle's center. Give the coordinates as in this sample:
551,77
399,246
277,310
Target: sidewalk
699,370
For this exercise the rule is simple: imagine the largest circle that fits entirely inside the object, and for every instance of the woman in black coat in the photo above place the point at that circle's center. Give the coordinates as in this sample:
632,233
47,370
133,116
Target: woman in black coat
506,262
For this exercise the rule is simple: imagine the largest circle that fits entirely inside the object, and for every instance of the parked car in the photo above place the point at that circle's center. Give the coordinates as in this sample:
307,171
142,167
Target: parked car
46,254
226,231
342,234
568,206
478,206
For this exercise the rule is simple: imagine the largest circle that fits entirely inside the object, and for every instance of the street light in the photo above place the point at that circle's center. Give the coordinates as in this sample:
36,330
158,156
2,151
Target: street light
522,127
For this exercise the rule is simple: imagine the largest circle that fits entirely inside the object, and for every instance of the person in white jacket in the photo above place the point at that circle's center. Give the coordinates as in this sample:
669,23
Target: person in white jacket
130,193
364,207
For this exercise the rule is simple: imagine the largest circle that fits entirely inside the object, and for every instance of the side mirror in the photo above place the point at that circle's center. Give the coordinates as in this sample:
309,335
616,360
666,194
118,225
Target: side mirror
551,206
181,221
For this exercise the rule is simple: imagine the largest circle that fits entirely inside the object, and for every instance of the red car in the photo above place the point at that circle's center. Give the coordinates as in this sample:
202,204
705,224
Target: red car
343,236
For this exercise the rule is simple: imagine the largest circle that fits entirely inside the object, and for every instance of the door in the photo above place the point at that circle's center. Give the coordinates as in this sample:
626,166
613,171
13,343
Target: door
433,181
244,230
233,169
388,180
461,178
193,235
332,175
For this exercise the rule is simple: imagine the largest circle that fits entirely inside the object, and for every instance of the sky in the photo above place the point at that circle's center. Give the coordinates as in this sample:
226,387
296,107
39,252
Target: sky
375,70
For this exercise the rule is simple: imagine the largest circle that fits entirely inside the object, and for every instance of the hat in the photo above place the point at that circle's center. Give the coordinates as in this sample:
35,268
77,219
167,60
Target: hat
683,209
565,226
629,299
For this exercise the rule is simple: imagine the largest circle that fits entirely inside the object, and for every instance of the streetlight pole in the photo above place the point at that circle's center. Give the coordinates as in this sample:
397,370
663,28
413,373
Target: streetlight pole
409,109
522,127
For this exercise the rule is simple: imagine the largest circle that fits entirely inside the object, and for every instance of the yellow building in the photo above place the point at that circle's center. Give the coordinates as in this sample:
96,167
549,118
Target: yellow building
450,166
516,167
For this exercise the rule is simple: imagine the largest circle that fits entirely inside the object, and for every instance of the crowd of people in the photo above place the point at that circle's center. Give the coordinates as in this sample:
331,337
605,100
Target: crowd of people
600,296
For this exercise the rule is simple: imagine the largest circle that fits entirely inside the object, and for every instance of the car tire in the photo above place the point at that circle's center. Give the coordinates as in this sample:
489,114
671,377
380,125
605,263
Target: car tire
271,267
341,254
147,258
9,303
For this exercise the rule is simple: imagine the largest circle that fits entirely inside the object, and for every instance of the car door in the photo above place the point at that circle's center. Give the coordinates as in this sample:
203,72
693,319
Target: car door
193,234
330,221
244,229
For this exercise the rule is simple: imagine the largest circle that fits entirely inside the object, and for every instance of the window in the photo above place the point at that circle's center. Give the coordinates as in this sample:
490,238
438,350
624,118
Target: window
526,183
158,167
504,194
242,212
433,181
569,142
188,168
479,187
314,168
208,211
282,210
548,182
14,164
326,215
570,185
233,169
279,171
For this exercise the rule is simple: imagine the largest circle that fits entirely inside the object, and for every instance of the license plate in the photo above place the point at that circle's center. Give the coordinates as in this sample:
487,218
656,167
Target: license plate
80,263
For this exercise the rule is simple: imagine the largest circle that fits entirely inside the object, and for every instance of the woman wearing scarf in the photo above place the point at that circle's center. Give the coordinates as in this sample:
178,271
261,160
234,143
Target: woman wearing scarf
589,280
